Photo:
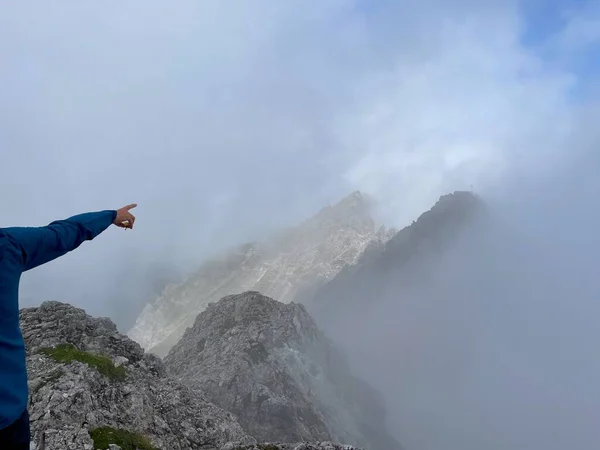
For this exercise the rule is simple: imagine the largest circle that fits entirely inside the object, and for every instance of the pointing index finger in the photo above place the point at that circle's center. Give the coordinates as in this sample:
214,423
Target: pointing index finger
131,206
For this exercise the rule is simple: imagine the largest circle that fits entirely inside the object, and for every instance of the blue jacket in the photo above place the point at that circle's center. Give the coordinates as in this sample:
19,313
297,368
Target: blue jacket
21,249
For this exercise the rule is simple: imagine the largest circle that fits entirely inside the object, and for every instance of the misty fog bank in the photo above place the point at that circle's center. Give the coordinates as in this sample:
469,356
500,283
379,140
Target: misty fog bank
228,120
225,121
493,343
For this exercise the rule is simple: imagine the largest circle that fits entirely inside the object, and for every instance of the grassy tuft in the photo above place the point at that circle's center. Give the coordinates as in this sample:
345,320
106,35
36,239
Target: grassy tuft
127,440
67,353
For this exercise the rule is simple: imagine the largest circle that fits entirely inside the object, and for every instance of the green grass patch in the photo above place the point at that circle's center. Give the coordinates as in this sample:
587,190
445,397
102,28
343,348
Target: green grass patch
127,440
68,353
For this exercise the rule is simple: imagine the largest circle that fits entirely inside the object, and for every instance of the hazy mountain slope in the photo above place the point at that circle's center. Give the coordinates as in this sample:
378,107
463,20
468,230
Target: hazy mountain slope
268,363
398,264
296,260
409,314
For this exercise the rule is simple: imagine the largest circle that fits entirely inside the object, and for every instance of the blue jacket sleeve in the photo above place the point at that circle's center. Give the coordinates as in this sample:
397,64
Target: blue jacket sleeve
40,245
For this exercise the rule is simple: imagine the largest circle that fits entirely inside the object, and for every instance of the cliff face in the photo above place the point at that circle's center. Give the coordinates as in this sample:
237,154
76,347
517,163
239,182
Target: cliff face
269,364
297,260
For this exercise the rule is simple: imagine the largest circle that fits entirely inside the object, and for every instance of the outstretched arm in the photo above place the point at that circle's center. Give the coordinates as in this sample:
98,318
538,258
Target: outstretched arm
40,245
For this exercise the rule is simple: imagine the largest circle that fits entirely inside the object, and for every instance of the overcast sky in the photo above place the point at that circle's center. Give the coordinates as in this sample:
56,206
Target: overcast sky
493,344
224,120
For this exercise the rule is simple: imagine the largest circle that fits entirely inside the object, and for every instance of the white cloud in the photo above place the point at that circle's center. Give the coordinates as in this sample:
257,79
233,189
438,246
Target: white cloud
274,108
224,119
480,103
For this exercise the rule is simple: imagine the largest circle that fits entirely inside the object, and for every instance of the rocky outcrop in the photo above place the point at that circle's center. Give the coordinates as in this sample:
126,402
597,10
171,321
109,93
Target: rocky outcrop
269,364
87,379
296,261
94,388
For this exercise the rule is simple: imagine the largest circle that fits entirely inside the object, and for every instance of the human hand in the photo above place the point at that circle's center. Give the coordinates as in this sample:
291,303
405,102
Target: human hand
124,218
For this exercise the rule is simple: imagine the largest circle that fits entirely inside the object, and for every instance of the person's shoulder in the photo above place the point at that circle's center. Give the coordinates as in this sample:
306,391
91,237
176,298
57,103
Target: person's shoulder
5,242
5,234
8,237
11,251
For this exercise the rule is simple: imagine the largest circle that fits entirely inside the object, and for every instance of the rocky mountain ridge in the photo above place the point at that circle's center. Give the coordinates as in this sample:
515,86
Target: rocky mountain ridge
408,300
94,388
269,364
398,262
295,261
271,371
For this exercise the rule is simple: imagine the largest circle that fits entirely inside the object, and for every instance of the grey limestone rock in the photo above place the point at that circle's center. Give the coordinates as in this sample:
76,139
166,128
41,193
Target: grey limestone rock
68,400
67,437
268,363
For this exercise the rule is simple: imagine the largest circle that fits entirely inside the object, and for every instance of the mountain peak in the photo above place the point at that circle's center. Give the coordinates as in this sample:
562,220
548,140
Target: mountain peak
295,260
356,201
354,211
457,204
458,198
270,365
